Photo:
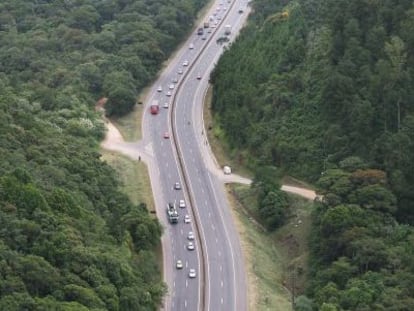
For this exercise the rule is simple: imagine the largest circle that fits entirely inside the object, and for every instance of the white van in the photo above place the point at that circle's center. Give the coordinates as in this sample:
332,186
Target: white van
227,170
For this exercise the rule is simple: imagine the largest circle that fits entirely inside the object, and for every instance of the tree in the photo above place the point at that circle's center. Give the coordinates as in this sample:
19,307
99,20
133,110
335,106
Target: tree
85,17
338,219
84,296
335,181
273,209
375,197
395,50
303,303
39,276
267,179
120,92
120,101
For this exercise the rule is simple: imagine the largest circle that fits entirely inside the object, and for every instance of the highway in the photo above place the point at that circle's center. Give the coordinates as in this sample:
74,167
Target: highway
220,282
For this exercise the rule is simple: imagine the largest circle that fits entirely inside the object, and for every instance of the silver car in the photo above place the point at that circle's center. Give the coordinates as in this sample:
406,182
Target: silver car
187,219
192,274
190,246
179,264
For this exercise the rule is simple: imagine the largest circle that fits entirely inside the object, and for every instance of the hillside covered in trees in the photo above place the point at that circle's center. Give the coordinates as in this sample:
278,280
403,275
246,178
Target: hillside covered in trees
69,239
323,90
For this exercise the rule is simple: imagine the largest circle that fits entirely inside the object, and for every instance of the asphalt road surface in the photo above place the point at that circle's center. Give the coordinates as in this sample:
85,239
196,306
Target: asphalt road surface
220,270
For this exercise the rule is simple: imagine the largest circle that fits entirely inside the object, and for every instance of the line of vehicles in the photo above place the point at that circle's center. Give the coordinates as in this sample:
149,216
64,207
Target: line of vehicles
173,218
212,22
173,213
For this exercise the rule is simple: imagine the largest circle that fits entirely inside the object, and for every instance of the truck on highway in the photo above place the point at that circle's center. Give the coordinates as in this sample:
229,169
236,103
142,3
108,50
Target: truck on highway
155,107
227,30
206,24
172,213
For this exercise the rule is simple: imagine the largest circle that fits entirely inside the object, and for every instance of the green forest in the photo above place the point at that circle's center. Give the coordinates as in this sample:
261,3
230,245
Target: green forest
69,239
322,90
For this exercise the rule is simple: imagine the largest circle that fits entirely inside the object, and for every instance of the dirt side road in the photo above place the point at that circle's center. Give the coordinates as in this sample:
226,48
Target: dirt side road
115,142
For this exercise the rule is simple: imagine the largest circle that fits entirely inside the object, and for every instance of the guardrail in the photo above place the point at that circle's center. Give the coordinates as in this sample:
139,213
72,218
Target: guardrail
178,152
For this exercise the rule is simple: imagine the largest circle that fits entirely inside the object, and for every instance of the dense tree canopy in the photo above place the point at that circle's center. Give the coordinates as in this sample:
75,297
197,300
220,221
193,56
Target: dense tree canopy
323,90
88,49
312,83
69,239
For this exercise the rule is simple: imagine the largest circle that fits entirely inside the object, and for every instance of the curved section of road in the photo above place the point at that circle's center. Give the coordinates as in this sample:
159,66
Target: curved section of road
223,282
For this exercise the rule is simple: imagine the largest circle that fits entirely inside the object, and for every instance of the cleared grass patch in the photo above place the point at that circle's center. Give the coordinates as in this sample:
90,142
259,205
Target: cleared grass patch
263,261
223,154
276,261
133,176
130,124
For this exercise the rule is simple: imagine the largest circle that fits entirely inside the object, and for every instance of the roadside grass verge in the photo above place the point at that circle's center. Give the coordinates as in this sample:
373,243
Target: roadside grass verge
130,125
135,181
223,154
277,261
264,263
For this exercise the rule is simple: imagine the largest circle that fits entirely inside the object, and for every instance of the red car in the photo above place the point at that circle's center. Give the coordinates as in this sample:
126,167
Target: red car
155,107
166,135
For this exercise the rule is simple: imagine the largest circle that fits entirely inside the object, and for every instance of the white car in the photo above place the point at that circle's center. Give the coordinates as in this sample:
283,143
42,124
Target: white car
179,264
174,80
190,246
159,89
185,63
226,169
168,93
191,46
180,71
190,235
187,219
171,87
177,186
192,274
181,204
166,105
